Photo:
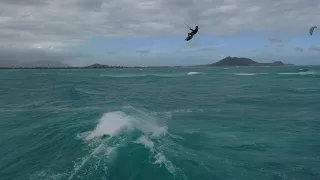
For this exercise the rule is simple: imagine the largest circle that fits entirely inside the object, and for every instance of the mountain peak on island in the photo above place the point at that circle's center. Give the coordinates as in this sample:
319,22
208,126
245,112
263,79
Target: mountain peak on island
96,65
241,61
235,61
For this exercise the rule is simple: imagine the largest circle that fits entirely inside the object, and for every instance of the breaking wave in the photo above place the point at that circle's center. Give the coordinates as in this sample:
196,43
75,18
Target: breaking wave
299,73
140,75
125,130
248,74
194,73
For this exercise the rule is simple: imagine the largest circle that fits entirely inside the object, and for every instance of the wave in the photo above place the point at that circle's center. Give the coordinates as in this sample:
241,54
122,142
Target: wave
159,157
159,75
282,73
299,73
194,73
48,175
248,147
248,74
122,130
110,124
139,75
303,69
85,91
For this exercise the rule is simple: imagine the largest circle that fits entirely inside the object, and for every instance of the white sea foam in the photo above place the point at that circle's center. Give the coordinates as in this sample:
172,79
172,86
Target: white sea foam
168,75
120,127
299,73
146,142
110,124
159,157
194,73
248,74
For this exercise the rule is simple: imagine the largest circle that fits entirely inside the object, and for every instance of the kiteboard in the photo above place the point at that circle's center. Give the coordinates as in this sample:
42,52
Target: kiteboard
189,38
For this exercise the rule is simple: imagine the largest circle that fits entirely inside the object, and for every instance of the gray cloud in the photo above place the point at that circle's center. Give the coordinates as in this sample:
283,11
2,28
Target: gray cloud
63,22
112,52
194,44
207,49
274,40
26,2
212,44
36,57
298,49
144,51
55,24
314,49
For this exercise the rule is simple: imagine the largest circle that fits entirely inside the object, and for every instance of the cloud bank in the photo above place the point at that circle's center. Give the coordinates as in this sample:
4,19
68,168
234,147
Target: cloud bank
58,23
55,24
13,57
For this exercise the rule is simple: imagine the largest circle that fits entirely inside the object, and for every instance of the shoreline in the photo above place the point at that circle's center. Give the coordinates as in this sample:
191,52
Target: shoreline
42,68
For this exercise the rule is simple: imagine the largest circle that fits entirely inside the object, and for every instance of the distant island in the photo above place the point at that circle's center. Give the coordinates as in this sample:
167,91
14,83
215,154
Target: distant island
236,61
93,66
225,62
99,66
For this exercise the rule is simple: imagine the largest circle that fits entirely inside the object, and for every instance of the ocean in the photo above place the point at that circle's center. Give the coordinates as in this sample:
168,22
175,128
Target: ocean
245,123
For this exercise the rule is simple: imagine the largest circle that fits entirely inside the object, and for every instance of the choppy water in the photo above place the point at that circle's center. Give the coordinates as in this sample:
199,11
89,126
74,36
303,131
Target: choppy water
243,123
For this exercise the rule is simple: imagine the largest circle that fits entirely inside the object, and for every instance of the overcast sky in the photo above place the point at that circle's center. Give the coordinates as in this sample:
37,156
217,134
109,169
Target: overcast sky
152,32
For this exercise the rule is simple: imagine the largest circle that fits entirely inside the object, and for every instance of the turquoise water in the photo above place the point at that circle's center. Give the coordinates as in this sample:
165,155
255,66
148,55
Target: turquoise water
242,123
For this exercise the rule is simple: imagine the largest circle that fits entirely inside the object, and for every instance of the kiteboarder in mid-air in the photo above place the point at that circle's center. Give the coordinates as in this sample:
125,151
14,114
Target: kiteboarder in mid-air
312,29
192,33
